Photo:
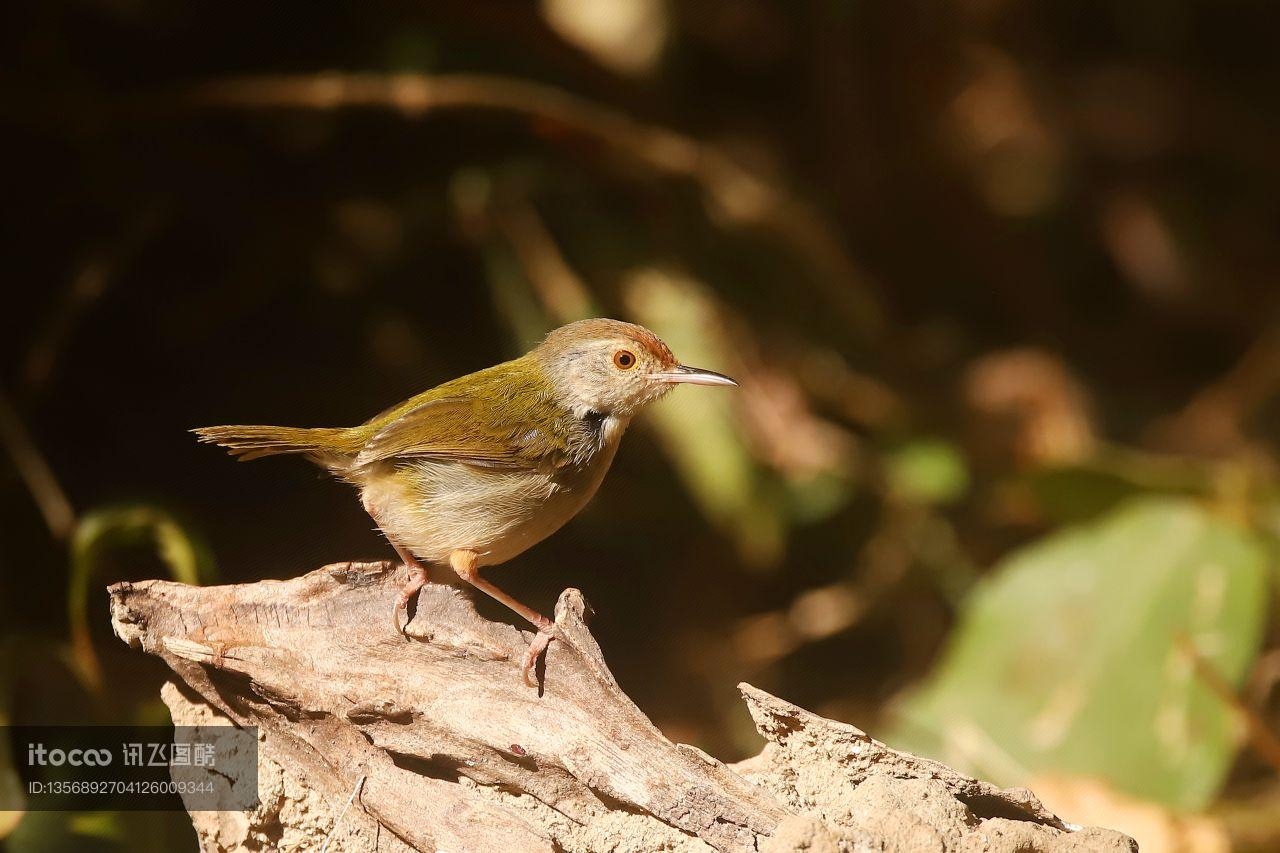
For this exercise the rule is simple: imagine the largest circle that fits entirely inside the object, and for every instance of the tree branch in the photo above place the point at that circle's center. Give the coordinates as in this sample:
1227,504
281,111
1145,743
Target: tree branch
456,754
735,193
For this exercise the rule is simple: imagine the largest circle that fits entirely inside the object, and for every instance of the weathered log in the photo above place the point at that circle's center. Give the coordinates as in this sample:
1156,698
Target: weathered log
371,742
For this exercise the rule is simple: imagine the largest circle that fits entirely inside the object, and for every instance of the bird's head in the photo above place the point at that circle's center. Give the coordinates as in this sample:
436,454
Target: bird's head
614,368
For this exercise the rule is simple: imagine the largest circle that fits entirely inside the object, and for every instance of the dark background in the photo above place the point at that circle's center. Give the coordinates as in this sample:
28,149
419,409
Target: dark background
1081,200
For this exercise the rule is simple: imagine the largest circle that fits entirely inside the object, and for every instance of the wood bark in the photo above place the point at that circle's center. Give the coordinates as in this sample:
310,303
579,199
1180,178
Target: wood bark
369,741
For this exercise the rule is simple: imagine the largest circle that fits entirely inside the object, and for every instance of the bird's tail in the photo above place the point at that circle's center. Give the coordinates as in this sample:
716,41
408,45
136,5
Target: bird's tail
253,442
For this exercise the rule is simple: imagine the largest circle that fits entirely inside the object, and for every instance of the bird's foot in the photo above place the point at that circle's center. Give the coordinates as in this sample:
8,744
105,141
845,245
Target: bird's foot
546,633
402,601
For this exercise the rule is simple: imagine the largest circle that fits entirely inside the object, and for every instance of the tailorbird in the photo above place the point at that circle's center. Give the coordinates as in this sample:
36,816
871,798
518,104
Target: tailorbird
477,470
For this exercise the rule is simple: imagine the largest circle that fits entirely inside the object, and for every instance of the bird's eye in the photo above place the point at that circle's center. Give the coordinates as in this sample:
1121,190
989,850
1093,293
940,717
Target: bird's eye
624,359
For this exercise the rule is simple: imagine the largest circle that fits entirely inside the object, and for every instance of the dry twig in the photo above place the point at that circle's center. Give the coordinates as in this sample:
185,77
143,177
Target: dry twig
734,193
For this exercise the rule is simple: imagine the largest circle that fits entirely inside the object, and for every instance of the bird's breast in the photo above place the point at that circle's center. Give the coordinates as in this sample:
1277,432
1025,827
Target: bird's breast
434,508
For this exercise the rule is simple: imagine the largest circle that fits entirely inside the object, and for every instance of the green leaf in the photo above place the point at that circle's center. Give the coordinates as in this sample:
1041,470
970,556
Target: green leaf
1077,493
1088,489
927,471
100,531
42,832
104,825
1071,657
699,430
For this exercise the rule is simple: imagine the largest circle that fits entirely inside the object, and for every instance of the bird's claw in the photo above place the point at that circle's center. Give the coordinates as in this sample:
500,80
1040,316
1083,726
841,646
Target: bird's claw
546,633
402,630
409,593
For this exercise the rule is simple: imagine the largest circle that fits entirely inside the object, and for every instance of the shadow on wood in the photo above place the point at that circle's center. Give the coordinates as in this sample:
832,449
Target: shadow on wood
371,741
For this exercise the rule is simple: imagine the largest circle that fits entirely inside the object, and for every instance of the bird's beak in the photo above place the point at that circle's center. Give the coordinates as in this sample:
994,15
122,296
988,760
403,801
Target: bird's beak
693,376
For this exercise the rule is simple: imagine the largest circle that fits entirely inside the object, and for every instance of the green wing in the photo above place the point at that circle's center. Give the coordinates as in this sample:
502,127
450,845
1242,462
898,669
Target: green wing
501,417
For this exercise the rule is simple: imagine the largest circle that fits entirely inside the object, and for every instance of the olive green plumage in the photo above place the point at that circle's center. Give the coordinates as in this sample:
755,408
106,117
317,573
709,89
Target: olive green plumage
475,471
505,416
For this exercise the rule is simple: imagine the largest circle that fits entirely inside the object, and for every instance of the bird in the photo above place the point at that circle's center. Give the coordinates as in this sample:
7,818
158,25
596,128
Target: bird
474,472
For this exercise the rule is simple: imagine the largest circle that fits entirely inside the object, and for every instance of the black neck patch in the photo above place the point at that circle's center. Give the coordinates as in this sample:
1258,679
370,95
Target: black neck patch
593,419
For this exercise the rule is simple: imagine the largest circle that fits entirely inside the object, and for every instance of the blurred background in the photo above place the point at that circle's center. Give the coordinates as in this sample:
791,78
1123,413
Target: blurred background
998,280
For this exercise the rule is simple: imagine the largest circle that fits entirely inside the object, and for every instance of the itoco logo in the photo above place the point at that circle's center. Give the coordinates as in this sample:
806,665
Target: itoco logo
38,754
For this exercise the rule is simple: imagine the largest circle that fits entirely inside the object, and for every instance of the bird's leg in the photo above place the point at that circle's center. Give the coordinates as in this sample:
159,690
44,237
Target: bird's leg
464,563
410,589
410,562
